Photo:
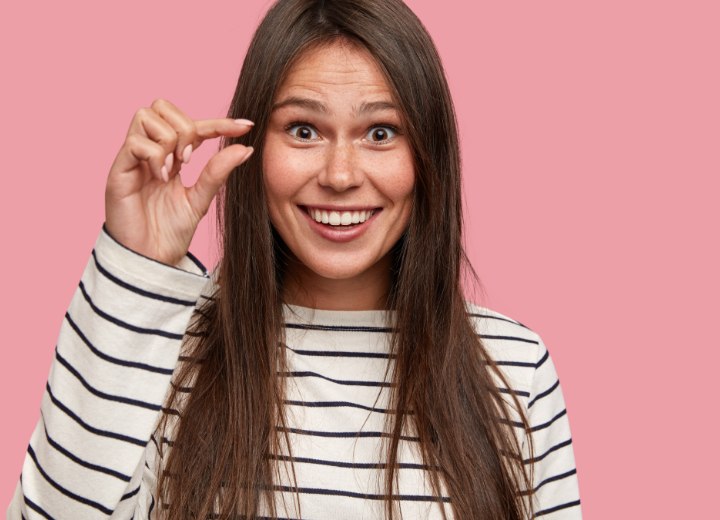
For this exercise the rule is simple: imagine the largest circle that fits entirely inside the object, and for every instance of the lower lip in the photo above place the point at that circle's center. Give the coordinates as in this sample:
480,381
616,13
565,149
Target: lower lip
339,235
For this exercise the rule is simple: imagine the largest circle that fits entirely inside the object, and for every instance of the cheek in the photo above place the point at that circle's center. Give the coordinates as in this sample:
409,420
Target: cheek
278,174
403,187
396,177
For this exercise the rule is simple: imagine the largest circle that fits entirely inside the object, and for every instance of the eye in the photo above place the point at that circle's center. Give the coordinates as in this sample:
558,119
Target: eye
302,131
381,134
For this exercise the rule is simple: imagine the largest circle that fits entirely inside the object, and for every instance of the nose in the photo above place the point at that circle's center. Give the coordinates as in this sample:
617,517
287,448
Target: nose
341,170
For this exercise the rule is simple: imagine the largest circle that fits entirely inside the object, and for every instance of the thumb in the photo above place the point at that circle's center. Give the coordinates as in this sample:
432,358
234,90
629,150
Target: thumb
214,175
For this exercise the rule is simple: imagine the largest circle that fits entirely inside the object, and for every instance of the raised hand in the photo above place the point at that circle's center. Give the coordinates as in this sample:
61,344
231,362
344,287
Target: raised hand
147,208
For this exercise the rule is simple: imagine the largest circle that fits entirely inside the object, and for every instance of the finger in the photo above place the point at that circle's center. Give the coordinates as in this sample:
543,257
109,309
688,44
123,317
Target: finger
150,124
214,175
211,128
138,148
183,125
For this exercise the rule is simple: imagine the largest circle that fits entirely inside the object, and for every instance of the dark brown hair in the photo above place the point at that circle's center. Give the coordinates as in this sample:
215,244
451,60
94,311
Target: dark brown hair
224,432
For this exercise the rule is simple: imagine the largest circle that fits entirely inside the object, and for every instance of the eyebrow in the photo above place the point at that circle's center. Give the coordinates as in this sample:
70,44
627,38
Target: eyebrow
318,106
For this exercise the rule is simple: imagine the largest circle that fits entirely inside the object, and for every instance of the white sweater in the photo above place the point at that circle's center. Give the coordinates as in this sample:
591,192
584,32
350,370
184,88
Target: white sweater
93,453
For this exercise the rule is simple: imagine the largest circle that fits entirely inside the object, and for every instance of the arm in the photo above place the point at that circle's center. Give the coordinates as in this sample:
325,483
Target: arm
117,348
554,477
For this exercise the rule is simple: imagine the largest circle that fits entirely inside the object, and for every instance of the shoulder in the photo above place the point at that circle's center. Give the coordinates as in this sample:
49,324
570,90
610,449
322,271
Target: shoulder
515,348
507,335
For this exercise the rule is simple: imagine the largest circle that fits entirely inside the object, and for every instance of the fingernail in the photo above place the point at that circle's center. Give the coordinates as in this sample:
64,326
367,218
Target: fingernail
164,173
250,151
244,122
187,151
169,161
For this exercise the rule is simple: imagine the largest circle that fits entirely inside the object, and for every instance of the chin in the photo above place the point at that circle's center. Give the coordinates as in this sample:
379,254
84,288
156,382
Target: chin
334,272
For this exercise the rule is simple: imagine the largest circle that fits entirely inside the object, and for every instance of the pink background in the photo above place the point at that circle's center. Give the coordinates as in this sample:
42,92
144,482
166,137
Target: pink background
591,140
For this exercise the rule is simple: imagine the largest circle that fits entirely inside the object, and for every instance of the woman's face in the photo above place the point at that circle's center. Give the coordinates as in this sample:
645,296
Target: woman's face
339,178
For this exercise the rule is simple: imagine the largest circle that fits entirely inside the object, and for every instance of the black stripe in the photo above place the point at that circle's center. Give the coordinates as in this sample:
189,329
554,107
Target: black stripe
334,404
338,328
125,325
349,465
549,451
511,391
92,429
181,389
366,328
103,395
198,263
78,460
137,290
545,425
516,424
316,433
64,491
154,440
515,364
215,516
558,508
542,360
337,381
544,393
114,360
385,330
152,506
39,510
349,435
555,478
334,353
378,355
130,494
509,338
374,384
352,494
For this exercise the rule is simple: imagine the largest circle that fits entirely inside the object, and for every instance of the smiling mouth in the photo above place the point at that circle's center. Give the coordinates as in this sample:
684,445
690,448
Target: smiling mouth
339,219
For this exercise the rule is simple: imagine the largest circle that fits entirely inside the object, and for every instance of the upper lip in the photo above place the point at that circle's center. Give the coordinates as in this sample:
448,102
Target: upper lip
332,207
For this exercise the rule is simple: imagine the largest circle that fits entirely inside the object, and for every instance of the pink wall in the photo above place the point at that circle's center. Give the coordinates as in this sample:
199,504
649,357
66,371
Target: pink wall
591,140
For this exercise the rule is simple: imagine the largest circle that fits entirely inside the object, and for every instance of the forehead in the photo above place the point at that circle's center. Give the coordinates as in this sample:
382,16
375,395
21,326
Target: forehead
335,68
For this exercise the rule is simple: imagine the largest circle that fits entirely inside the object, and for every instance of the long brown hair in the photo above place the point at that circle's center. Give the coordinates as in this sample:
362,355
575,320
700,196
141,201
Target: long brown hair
224,432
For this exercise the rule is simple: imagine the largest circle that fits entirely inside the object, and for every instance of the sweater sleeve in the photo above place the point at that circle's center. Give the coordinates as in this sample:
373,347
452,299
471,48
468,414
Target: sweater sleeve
555,480
118,345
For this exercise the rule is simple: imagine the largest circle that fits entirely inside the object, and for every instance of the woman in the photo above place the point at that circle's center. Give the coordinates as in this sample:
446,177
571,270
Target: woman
330,367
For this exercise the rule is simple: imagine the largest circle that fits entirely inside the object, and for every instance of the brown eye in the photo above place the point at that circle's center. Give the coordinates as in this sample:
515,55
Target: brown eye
381,134
303,132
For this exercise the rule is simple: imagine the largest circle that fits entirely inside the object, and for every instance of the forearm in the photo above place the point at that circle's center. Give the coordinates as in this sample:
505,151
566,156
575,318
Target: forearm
116,351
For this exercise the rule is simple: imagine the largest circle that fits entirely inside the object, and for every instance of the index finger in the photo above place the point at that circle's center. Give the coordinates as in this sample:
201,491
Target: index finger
210,128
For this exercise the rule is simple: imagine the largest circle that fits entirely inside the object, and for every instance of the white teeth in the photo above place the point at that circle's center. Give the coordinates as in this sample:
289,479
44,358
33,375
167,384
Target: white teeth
337,218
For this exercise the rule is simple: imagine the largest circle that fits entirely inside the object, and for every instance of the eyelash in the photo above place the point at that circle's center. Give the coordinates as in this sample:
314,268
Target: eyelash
392,128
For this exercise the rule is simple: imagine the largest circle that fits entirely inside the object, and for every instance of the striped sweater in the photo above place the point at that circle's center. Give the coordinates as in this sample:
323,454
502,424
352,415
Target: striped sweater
94,452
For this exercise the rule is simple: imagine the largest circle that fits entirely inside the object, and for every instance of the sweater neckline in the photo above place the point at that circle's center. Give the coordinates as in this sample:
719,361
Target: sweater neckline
310,316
